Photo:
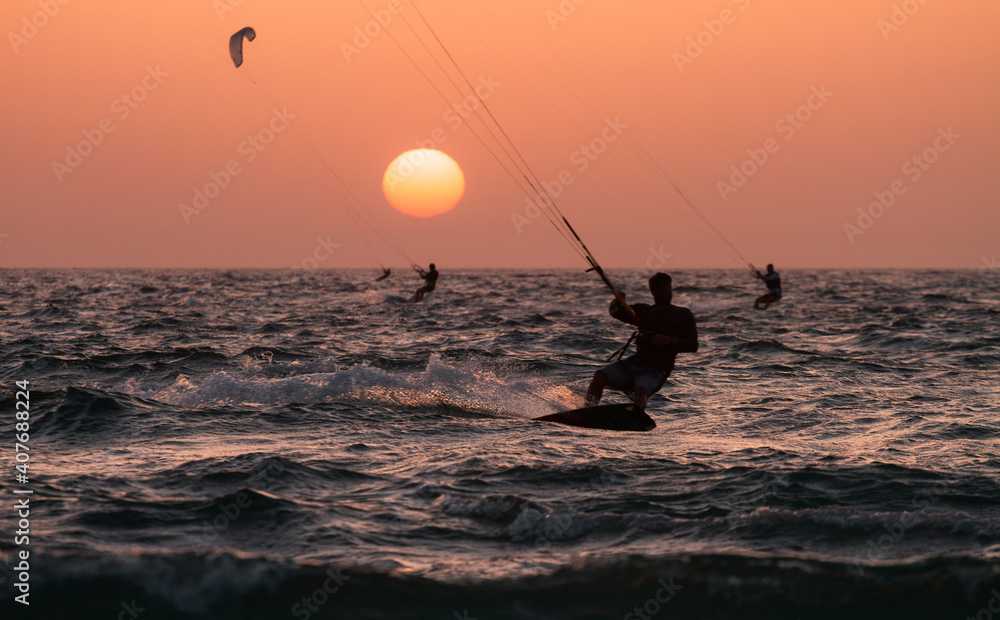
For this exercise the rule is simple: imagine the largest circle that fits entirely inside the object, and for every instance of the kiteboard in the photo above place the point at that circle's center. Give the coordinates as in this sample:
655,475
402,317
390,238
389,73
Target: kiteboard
607,417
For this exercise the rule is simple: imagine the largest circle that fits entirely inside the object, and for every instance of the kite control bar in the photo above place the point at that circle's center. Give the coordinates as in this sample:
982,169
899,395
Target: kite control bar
618,294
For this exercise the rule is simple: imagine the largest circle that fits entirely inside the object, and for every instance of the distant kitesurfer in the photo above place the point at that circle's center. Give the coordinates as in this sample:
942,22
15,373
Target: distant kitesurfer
773,294
385,274
664,331
430,281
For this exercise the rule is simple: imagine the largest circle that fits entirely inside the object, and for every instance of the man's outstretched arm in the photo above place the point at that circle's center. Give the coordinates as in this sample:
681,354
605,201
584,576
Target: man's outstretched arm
687,340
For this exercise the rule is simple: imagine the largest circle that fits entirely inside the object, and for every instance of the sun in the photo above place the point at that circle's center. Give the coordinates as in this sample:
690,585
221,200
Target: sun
423,183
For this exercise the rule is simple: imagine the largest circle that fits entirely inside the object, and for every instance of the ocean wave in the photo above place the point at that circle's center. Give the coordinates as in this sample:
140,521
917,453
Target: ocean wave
833,456
469,385
77,414
718,586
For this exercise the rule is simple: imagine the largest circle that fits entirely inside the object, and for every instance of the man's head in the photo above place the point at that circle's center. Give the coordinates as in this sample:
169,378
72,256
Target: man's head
662,288
433,267
770,268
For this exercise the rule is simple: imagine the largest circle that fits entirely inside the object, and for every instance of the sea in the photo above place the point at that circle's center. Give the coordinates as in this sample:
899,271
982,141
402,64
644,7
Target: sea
307,444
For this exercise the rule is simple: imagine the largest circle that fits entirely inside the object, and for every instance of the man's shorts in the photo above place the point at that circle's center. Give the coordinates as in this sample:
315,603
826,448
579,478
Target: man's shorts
628,374
775,293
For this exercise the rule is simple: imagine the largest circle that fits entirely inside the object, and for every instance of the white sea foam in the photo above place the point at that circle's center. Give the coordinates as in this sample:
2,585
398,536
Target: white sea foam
470,384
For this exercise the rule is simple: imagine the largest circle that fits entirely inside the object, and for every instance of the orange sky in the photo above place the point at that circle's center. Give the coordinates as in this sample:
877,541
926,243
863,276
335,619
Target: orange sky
881,94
